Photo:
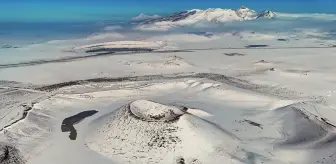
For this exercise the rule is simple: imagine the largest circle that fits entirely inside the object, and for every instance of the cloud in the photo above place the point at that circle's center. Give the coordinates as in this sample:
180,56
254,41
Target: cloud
112,28
105,36
144,16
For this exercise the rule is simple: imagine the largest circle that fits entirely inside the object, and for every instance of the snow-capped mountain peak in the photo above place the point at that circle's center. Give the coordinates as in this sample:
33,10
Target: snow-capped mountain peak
212,14
245,13
266,14
193,16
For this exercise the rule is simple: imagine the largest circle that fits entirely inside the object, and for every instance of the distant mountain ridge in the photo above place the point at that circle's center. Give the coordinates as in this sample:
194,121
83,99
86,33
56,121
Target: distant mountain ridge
209,15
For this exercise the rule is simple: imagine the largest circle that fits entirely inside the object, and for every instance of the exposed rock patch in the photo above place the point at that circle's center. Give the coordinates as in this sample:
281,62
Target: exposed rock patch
262,62
253,123
256,46
6,46
9,154
234,54
282,40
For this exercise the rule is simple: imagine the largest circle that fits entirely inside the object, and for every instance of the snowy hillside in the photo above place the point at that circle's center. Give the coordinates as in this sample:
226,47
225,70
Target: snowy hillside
159,134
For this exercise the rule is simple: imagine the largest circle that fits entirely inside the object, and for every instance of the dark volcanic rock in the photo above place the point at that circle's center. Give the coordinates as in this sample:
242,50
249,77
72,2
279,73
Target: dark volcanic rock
254,123
180,160
115,50
206,34
256,46
9,154
8,46
266,14
283,40
262,61
234,54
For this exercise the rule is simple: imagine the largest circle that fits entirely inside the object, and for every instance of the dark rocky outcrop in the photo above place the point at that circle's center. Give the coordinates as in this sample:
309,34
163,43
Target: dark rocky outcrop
234,54
256,46
6,46
9,154
266,14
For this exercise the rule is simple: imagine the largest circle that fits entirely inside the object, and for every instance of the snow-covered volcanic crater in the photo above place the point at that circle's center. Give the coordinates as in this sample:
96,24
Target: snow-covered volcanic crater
215,15
157,133
171,119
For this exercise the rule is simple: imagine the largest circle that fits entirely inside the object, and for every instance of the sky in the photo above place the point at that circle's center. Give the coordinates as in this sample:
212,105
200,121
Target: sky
80,10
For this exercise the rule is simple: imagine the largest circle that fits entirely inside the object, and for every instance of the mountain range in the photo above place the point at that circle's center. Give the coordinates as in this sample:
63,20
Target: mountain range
189,17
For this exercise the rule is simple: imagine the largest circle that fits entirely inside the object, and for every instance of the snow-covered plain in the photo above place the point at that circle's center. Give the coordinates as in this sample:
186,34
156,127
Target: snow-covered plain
206,97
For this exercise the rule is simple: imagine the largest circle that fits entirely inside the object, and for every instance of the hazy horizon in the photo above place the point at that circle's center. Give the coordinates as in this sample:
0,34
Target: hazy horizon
98,10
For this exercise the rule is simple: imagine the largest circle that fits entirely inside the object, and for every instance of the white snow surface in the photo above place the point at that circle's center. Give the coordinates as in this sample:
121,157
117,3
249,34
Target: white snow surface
203,98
